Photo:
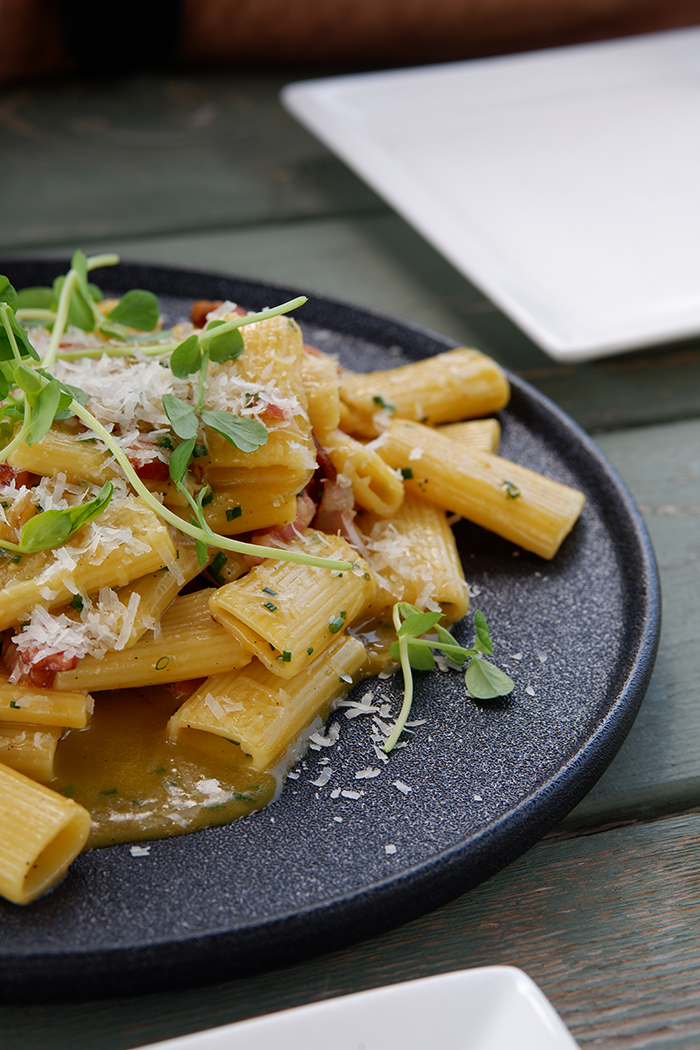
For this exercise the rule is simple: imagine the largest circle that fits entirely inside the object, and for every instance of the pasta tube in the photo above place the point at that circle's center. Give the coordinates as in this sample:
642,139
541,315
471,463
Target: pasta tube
262,714
286,614
41,833
459,384
320,375
29,749
128,540
484,434
60,451
375,486
43,707
190,644
415,559
518,504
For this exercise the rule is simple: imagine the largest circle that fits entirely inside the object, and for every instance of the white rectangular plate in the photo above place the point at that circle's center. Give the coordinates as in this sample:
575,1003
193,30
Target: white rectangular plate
563,182
494,1008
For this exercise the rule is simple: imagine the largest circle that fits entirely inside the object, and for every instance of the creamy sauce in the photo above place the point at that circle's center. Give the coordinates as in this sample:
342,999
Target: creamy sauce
139,785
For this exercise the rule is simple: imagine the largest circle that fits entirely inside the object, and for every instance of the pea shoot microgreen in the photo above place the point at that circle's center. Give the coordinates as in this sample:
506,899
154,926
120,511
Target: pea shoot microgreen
31,398
483,679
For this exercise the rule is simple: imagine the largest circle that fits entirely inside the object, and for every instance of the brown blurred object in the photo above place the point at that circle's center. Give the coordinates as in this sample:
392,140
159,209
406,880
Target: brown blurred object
31,41
332,33
390,32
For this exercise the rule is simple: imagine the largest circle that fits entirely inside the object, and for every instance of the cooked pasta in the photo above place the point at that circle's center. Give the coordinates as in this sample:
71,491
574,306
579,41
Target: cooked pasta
200,529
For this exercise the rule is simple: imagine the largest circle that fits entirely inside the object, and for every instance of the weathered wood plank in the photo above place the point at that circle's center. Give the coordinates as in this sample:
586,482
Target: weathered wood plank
608,925
658,768
155,154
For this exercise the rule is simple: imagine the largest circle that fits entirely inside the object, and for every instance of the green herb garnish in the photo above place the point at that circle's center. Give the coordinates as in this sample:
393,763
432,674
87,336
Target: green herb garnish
483,680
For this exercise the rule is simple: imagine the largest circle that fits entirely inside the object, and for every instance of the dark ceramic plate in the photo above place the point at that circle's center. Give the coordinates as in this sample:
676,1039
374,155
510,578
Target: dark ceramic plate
312,873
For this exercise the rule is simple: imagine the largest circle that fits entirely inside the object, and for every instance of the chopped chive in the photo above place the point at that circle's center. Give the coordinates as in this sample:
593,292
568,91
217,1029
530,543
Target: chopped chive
285,656
13,703
209,498
17,559
233,512
199,450
270,605
310,650
406,473
162,663
335,624
106,792
269,590
78,602
512,490
379,400
163,441
216,566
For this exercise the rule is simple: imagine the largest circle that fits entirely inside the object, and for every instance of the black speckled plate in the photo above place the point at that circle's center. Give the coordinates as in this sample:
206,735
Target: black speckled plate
312,872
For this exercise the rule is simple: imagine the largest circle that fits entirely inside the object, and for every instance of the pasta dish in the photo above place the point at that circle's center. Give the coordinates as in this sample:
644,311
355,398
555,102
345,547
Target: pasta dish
208,534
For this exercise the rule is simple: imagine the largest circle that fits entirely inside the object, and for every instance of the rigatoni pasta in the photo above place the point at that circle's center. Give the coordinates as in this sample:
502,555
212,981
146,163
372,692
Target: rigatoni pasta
41,833
313,500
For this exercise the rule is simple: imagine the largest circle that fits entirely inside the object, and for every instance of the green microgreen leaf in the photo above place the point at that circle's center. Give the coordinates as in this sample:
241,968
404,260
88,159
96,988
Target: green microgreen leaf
483,643
486,682
36,299
224,347
182,416
418,623
7,294
137,309
44,411
420,657
450,648
53,527
186,358
28,381
180,459
246,434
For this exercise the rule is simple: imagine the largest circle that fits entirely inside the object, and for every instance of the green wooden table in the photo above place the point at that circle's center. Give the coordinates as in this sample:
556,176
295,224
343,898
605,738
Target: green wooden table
207,171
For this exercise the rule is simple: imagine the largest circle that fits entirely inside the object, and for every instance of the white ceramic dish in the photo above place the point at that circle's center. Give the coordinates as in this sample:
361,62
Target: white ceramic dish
494,1008
563,182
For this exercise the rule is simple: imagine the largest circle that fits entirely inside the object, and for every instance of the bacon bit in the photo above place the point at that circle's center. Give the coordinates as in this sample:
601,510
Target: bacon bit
282,534
336,509
200,309
181,690
8,474
273,412
153,470
39,673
